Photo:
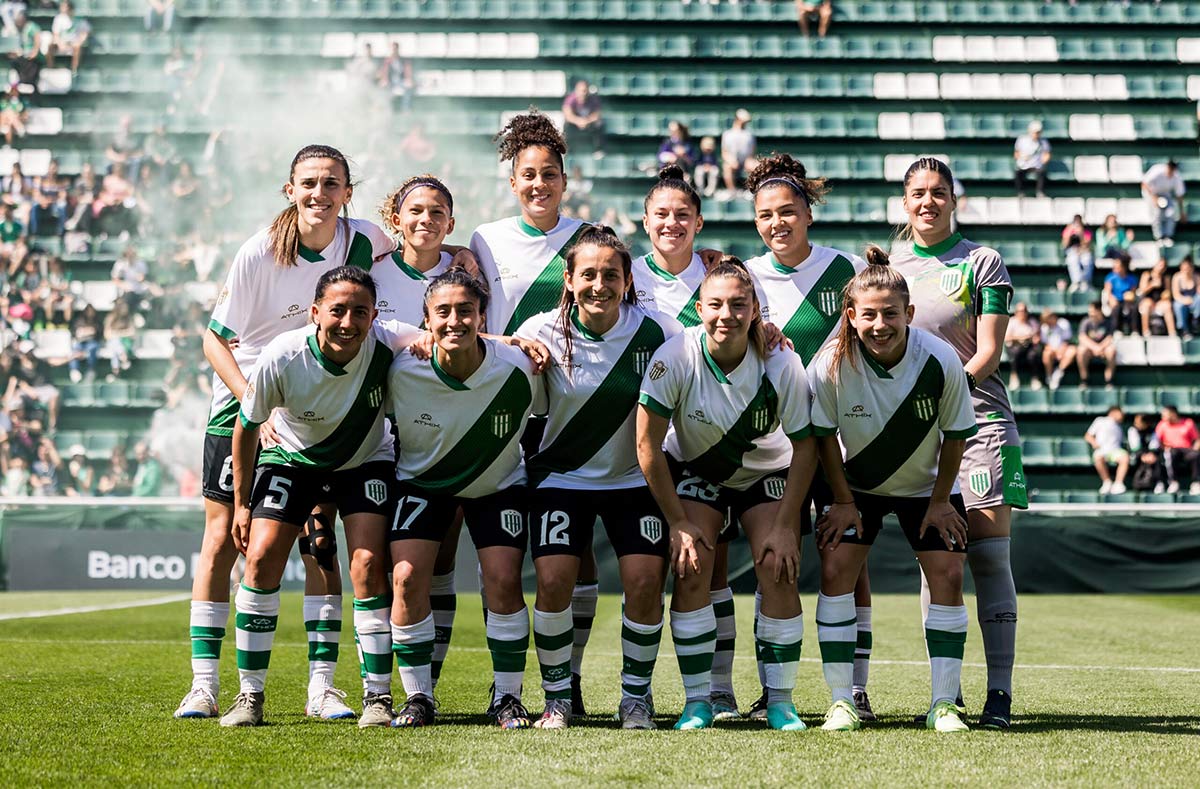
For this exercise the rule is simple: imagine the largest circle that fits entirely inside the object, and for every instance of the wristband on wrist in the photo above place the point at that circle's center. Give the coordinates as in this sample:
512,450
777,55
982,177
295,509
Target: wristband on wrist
971,382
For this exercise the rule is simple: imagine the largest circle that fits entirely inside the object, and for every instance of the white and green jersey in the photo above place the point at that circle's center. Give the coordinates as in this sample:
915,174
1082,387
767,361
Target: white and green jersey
522,268
401,288
331,416
590,441
805,302
951,284
261,299
891,422
728,428
462,438
658,290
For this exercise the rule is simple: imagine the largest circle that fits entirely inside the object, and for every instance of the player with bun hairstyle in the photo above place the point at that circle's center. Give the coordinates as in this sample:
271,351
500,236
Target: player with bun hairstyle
892,413
963,293
735,418
799,285
273,273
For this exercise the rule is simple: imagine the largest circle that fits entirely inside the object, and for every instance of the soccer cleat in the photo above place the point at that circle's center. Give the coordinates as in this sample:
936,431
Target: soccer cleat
696,715
863,705
198,703
418,711
556,716
842,716
328,704
724,707
782,716
247,710
945,717
510,713
377,710
635,713
997,711
959,705
758,710
577,696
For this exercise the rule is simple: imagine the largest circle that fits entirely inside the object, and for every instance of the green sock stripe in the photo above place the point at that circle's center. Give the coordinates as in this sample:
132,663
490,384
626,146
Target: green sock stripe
687,641
323,625
377,664
413,654
558,694
207,632
443,602
441,635
253,661
206,649
944,644
641,639
503,645
638,668
508,661
260,591
864,639
634,690
726,644
256,623
768,652
695,664
723,608
555,672
554,640
837,651
846,623
323,650
373,603
583,622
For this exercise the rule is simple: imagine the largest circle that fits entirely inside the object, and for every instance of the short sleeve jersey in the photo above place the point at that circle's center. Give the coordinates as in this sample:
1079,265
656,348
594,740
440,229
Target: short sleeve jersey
1163,183
658,290
891,422
462,438
402,287
733,428
805,302
522,267
261,299
331,415
951,284
590,441
1107,432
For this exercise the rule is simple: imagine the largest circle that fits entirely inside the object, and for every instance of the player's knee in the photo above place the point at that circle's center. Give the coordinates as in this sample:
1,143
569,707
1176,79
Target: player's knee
948,576
645,588
366,567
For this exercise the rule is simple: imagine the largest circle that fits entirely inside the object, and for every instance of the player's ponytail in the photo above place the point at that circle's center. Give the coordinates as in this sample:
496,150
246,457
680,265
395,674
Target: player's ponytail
594,236
672,177
284,233
878,275
732,267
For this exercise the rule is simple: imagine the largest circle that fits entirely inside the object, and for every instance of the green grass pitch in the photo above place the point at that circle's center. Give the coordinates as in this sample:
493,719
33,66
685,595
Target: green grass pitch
1107,692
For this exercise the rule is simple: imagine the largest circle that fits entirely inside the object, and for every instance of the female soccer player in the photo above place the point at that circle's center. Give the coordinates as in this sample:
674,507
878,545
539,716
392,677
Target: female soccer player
799,285
587,467
459,417
962,292
272,275
740,440
897,399
326,384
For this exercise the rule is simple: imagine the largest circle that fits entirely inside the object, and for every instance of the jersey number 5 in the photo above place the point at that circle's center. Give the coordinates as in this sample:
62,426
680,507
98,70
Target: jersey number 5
278,485
554,527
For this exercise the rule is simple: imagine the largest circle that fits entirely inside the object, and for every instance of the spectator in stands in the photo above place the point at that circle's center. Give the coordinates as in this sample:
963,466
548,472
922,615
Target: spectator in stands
125,148
186,197
1031,155
738,148
129,274
81,472
17,188
120,329
112,212
13,115
1112,239
1105,436
87,186
70,36
27,59
1163,188
160,14
1096,342
16,476
396,74
820,12
187,371
677,148
116,480
1184,287
362,68
583,120
1077,248
45,216
60,301
1118,297
1058,354
157,149
1149,474
87,330
10,229
1154,301
8,14
46,477
1181,449
31,390
148,478
1023,342
708,169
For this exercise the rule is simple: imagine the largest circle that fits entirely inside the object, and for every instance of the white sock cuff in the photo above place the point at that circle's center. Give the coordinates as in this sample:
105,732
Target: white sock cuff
950,618
322,607
420,631
553,622
723,595
375,620
508,627
834,608
442,584
638,627
687,624
863,614
780,631
252,602
205,613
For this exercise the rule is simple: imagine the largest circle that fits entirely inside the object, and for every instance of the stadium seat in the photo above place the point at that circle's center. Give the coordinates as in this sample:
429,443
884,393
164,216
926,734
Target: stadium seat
1038,451
1091,169
1164,351
1066,400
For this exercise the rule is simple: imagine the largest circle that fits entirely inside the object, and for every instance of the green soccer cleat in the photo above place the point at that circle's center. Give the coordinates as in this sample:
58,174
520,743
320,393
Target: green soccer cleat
842,716
782,716
945,717
725,707
247,710
696,715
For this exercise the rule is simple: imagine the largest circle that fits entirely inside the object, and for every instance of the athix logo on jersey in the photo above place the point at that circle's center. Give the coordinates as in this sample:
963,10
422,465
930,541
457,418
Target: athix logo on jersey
1017,481
979,480
375,490
426,420
382,305
858,412
699,416
658,371
924,407
511,522
773,486
293,311
641,358
501,423
651,528
375,396
761,418
311,416
827,301
951,281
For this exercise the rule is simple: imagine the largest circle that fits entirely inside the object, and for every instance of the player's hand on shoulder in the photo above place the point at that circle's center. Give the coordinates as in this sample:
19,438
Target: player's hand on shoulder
776,338
536,350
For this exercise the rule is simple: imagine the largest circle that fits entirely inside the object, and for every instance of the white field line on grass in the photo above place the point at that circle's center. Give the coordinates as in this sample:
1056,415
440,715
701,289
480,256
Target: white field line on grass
91,609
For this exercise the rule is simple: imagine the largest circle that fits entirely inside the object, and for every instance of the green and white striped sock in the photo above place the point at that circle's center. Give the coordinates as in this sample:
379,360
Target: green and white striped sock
207,626
722,670
777,643
837,635
553,636
639,651
508,641
945,637
323,622
257,617
583,606
414,645
444,602
695,636
862,649
373,629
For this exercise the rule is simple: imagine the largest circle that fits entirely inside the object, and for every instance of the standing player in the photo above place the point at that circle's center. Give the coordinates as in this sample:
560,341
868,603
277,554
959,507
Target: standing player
799,285
587,467
326,386
459,418
740,440
896,400
962,293
272,275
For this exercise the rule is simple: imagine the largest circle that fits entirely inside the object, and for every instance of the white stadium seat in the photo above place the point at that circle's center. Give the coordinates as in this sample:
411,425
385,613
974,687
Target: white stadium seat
1099,207
493,45
894,126
955,86
981,49
52,343
1091,169
1118,127
1133,211
986,86
895,211
1085,126
1111,86
1041,49
55,81
464,45
922,85
896,164
35,162
1125,169
1016,86
890,85
523,46
8,157
100,294
1049,87
1005,210
928,126
1066,209
1164,351
378,42
1079,86
432,45
1144,254
1037,211
154,344
1188,50
949,49
974,211
1131,350
44,121
1010,49
1193,87
337,45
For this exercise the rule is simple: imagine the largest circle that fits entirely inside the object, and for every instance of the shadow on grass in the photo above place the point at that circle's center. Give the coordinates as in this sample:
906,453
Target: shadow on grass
1174,724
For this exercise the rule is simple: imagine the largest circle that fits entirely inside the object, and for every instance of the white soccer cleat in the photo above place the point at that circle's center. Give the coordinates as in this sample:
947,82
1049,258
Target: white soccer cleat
945,718
198,703
328,704
556,716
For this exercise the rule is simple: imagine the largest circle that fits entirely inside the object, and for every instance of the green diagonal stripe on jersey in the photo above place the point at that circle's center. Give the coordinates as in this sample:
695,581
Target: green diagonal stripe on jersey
340,445
720,461
543,294
604,412
902,435
811,323
361,253
688,315
221,422
483,442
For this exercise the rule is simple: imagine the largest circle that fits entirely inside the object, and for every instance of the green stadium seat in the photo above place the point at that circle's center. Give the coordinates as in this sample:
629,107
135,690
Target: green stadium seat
1178,396
827,85
797,85
1191,350
1038,451
1025,400
622,47
866,168
858,85
1098,401
1073,451
1156,498
1138,399
1081,497
736,84
1047,496
959,126
1066,400
1160,49
100,443
862,124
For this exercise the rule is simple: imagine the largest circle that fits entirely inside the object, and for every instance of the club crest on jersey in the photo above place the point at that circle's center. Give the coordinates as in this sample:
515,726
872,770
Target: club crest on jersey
951,281
511,522
924,407
827,301
773,487
651,528
223,296
761,418
658,371
375,490
641,358
248,394
979,480
501,423
375,396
